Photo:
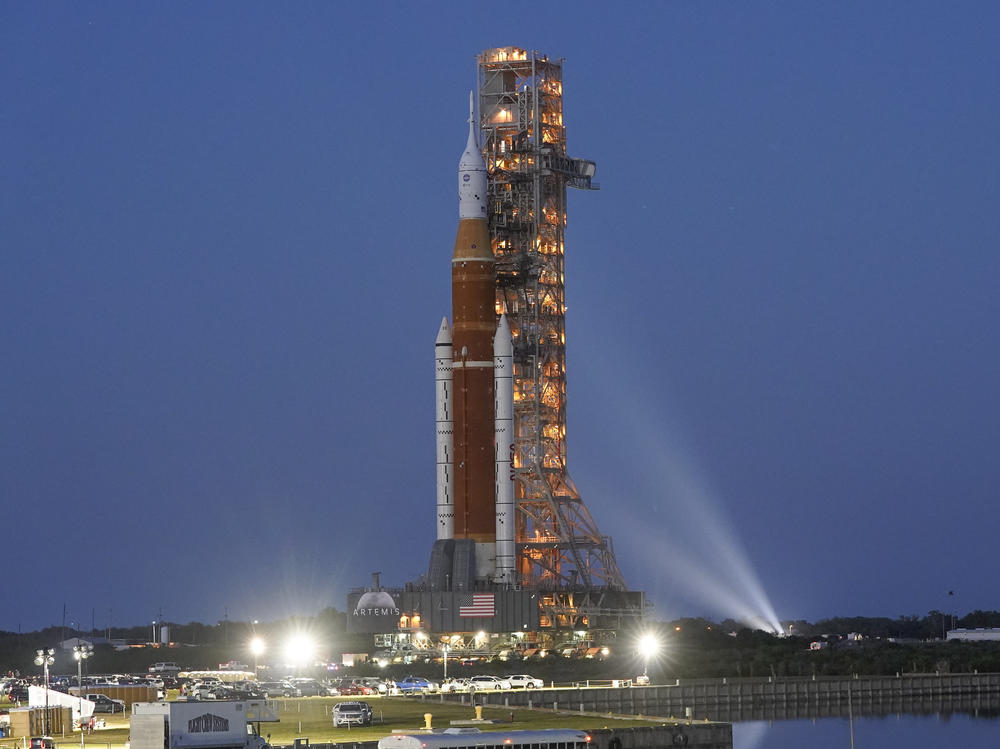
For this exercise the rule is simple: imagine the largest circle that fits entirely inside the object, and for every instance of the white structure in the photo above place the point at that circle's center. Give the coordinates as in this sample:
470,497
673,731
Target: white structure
503,444
80,706
445,431
978,635
206,725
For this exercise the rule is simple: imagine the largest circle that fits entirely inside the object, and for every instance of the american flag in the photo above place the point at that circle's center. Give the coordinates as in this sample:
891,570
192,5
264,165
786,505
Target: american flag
478,604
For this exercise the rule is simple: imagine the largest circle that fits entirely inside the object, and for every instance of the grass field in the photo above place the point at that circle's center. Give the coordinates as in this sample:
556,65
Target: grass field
310,717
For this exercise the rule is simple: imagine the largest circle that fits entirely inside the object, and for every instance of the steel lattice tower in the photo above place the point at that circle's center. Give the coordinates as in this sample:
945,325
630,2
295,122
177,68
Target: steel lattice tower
559,546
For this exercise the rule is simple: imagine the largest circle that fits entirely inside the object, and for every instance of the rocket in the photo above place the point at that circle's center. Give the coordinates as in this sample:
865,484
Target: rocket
473,295
474,416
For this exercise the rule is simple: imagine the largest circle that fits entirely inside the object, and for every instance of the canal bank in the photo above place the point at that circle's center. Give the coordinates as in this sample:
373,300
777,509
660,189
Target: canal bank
721,699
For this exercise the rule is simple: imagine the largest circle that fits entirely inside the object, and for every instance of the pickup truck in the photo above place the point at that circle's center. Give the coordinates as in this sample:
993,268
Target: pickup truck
104,704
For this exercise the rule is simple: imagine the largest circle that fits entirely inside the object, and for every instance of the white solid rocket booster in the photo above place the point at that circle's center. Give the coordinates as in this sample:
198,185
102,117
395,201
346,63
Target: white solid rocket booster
503,422
445,431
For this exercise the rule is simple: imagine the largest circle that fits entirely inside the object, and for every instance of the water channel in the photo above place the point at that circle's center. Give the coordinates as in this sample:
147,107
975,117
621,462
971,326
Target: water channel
938,731
969,721
915,712
923,722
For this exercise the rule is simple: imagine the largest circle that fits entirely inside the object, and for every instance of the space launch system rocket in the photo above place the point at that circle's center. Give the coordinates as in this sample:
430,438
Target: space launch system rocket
474,402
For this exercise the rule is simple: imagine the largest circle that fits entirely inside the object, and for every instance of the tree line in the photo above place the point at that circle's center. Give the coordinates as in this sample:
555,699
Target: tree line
689,647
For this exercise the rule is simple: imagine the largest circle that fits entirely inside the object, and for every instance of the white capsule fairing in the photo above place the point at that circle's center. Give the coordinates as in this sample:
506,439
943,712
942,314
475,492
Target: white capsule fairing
503,422
472,175
445,431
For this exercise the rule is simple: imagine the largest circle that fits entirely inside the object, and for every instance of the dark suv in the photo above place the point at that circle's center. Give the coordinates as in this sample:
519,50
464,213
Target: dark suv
243,693
272,689
309,688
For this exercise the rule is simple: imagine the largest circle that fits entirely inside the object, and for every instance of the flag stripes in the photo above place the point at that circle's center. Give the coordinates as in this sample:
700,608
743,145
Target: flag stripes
478,604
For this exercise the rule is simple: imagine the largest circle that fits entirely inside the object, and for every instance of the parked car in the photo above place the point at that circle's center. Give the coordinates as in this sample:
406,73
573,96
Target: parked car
332,686
415,684
204,691
455,686
208,681
190,688
523,681
272,689
309,687
165,667
352,713
492,683
348,687
377,684
104,704
18,692
244,693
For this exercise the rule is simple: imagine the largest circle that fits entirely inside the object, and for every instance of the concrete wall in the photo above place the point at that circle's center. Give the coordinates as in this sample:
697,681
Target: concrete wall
694,736
700,735
705,698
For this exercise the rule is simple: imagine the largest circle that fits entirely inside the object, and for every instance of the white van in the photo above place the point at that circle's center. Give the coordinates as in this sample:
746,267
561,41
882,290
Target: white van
164,668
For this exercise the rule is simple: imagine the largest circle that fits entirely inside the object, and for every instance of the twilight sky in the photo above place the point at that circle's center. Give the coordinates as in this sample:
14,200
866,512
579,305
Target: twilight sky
225,233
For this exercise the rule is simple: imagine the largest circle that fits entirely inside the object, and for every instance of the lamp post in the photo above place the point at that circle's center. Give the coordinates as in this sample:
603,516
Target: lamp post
299,651
46,658
648,647
256,647
444,650
81,653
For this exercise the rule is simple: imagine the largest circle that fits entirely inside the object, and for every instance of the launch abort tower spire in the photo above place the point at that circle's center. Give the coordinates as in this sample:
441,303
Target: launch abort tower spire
559,546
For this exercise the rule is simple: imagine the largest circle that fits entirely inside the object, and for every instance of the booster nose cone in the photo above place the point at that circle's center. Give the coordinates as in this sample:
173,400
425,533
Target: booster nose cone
444,333
502,342
472,175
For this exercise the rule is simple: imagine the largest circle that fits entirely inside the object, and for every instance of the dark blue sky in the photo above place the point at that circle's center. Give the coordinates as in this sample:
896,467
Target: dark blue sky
225,232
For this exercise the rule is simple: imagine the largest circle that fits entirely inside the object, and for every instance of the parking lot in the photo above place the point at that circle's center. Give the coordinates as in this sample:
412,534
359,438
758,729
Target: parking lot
312,717
306,706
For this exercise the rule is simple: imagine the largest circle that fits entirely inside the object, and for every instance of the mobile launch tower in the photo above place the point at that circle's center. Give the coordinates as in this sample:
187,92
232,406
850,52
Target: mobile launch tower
521,117
517,552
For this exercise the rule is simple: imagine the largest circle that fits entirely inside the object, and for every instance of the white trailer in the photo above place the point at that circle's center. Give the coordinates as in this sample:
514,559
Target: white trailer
199,725
81,708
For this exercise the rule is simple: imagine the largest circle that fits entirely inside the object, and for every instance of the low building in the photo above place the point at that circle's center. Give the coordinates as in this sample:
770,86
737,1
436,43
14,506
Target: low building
975,635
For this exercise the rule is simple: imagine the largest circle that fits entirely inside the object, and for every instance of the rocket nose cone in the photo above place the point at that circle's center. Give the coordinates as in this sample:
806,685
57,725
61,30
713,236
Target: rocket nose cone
472,159
472,177
444,332
503,327
503,344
